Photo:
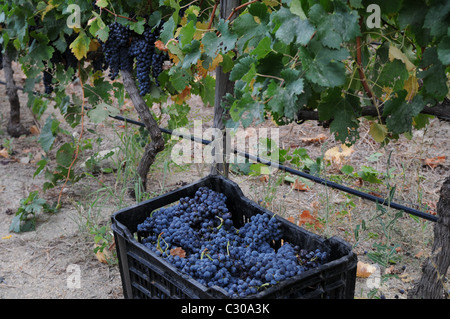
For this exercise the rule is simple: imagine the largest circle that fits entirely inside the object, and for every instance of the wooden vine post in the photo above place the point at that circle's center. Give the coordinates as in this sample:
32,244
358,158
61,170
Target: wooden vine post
431,285
156,144
14,128
223,86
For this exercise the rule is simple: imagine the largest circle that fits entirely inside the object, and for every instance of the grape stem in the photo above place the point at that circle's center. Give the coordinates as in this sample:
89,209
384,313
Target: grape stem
79,138
213,14
240,7
117,15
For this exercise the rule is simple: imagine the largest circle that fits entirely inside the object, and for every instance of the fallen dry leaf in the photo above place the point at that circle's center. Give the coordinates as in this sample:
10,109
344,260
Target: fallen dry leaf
338,153
34,130
178,252
317,139
305,217
406,278
104,255
435,161
4,153
300,186
264,178
364,270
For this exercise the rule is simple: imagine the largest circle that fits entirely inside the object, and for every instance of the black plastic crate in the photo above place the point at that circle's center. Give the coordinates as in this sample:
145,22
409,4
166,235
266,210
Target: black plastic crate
146,275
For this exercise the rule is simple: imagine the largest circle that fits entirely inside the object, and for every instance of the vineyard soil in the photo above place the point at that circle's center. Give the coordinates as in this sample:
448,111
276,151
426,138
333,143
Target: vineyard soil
35,264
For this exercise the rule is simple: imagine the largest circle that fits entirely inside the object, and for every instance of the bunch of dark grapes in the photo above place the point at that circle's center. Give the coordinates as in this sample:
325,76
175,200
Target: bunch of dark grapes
157,65
67,58
142,48
116,49
241,261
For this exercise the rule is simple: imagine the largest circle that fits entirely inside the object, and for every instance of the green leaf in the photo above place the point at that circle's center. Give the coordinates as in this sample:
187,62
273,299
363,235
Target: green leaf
296,8
187,33
323,65
292,27
249,32
98,28
64,155
443,50
214,45
193,53
241,68
263,48
179,78
437,18
335,28
40,166
433,74
393,75
347,169
167,31
48,133
401,113
344,110
138,26
208,90
101,112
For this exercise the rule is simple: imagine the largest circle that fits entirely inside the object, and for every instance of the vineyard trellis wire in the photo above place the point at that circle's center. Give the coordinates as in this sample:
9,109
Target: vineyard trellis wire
291,170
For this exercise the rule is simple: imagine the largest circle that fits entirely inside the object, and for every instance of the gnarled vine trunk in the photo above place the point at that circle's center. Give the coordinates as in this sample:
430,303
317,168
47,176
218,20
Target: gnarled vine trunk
431,285
223,86
156,144
14,128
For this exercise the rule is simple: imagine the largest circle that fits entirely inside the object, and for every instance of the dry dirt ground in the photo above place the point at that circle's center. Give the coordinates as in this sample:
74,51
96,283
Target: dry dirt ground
38,264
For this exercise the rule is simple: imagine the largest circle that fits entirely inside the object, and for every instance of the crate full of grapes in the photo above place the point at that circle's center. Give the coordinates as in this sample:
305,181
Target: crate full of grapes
207,240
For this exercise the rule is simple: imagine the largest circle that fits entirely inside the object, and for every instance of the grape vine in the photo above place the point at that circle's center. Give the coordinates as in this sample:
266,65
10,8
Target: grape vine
286,58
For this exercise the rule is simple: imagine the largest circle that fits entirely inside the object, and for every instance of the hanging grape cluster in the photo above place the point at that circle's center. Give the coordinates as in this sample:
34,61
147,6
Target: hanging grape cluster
123,47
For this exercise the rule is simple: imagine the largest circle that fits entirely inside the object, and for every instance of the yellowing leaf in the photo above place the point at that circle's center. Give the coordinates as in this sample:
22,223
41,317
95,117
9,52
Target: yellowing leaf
80,46
183,96
378,131
93,45
7,237
387,91
50,6
160,46
215,62
411,86
200,29
396,53
338,153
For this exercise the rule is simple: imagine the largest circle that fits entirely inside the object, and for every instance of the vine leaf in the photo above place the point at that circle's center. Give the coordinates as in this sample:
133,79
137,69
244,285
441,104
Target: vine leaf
64,155
443,50
378,132
400,113
292,27
433,74
80,46
344,110
48,133
323,66
101,112
213,45
337,27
